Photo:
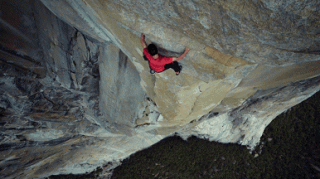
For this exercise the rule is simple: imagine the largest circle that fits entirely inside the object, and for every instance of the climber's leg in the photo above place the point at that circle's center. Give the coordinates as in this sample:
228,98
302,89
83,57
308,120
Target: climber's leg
175,66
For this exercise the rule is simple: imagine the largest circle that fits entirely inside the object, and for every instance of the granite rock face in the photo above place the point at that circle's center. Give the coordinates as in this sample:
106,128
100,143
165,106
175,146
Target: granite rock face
76,92
52,118
237,47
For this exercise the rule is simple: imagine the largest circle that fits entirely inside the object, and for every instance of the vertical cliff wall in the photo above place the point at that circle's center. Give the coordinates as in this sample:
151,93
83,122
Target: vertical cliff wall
122,99
77,94
238,49
52,118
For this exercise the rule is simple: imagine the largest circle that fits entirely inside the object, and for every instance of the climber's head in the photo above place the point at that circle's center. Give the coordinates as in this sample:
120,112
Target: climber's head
152,49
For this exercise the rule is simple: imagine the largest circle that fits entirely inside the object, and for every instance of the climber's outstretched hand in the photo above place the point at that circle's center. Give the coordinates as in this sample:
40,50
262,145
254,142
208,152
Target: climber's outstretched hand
187,50
143,36
143,41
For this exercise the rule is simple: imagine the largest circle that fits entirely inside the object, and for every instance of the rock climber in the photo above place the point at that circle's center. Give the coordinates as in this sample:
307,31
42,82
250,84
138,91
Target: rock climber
159,63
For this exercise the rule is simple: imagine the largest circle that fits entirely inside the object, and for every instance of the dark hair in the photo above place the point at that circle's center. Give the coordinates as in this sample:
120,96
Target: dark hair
152,49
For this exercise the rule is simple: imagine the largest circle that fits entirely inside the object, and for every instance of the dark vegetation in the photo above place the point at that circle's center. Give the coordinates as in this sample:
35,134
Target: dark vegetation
289,148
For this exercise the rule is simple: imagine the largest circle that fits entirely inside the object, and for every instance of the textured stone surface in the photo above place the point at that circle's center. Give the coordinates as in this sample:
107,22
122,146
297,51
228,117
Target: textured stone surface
234,44
246,124
19,30
94,101
121,96
71,121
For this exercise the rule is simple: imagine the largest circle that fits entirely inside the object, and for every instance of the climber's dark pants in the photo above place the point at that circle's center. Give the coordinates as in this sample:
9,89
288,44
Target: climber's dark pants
174,65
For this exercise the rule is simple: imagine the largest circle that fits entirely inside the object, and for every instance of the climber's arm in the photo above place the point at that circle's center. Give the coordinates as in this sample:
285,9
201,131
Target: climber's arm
143,41
186,51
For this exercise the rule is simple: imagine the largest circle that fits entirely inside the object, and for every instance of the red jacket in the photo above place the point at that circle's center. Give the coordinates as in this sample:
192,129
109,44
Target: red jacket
157,64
